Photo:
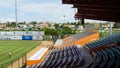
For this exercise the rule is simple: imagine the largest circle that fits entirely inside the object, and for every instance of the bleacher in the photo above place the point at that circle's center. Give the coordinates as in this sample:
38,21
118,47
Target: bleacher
103,53
108,58
81,38
106,41
81,35
106,51
66,57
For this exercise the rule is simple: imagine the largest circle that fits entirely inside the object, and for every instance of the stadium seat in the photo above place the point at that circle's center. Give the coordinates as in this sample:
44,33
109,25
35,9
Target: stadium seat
71,57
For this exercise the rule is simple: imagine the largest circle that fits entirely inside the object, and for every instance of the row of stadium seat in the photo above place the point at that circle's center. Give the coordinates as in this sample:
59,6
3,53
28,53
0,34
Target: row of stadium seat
66,57
81,35
72,56
108,58
70,40
106,41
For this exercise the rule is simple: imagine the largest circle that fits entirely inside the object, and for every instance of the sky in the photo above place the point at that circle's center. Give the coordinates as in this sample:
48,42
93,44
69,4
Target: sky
36,10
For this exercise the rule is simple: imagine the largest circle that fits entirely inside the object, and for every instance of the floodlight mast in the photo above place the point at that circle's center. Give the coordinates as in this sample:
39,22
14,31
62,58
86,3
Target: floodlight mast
64,18
16,21
110,27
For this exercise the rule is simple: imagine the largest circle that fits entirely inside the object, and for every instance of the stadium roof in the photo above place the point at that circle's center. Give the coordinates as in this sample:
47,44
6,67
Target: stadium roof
107,10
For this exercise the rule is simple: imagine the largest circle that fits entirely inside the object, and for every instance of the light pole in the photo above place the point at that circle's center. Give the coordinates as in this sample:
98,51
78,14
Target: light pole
64,18
16,13
110,27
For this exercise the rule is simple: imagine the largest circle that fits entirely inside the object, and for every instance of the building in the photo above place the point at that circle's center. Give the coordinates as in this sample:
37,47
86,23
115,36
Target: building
42,25
2,26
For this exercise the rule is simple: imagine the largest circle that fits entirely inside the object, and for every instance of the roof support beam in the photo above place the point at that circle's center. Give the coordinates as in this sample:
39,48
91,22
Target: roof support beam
97,17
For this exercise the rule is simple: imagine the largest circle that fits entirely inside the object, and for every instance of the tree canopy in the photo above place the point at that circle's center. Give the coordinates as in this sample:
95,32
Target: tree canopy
50,31
11,24
117,25
56,25
58,31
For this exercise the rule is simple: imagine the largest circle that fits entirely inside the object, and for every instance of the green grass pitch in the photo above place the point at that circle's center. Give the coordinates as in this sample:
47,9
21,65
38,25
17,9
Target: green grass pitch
17,49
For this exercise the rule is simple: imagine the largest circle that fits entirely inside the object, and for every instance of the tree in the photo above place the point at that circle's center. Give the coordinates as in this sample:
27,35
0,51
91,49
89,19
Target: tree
73,23
13,24
22,22
49,25
66,30
79,22
62,25
33,23
117,25
8,24
50,31
56,26
68,23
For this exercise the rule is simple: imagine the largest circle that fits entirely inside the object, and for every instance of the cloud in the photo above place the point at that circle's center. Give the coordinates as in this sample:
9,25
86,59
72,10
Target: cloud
10,19
49,10
21,14
29,9
46,8
3,20
10,3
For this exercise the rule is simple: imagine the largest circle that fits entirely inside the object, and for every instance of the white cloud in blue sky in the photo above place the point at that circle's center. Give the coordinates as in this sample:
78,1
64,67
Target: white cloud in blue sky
36,10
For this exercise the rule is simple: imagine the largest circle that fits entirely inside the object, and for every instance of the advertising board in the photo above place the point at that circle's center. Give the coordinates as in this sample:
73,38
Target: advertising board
37,37
27,37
